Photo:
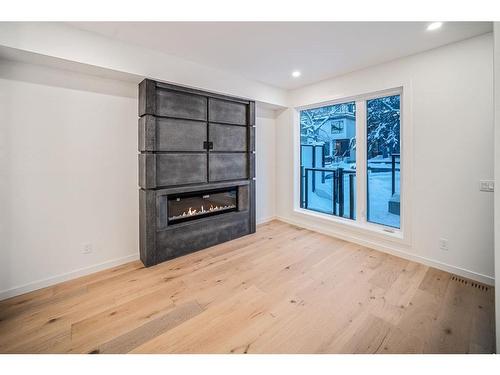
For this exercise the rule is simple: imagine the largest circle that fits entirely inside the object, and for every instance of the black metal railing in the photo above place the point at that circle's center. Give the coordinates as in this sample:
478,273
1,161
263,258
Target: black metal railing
338,198
393,171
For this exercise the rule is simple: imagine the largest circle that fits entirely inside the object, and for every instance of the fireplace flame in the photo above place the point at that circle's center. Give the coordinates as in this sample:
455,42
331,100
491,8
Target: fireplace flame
194,212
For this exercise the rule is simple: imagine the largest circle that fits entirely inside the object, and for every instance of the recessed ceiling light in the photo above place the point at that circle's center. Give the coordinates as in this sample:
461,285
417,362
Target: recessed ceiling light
434,26
296,74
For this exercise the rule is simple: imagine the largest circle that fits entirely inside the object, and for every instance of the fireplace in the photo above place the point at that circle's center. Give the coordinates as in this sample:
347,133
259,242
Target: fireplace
195,205
196,170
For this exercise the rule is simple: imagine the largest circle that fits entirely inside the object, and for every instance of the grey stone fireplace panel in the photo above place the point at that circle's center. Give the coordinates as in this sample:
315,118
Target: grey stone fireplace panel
181,105
180,135
180,169
188,237
161,170
228,137
166,134
228,166
196,149
228,112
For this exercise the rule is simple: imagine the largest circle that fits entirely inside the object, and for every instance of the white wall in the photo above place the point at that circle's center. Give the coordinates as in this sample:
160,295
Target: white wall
497,179
68,174
450,90
265,172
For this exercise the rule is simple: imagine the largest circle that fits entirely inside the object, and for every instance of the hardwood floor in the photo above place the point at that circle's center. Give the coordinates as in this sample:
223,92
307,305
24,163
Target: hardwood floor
281,290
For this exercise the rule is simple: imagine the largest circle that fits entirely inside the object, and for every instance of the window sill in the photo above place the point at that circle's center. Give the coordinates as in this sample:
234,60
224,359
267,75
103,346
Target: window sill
369,229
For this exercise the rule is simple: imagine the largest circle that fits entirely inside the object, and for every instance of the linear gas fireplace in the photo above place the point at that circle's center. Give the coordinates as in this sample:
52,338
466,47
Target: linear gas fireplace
196,170
192,206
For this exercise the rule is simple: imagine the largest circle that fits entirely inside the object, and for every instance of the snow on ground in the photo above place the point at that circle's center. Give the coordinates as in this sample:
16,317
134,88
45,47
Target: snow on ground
379,185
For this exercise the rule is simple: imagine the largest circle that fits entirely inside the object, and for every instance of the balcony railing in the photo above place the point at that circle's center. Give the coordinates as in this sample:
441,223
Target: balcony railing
341,202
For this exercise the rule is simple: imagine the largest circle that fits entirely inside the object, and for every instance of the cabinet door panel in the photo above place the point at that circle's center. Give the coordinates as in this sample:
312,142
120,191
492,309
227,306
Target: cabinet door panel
228,137
180,135
179,169
227,112
181,105
228,166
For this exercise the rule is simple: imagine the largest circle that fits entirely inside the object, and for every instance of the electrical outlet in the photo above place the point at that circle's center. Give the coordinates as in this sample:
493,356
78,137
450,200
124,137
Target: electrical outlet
487,185
443,244
87,248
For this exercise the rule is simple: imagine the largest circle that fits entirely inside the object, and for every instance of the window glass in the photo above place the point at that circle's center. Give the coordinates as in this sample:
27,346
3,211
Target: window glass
328,159
383,160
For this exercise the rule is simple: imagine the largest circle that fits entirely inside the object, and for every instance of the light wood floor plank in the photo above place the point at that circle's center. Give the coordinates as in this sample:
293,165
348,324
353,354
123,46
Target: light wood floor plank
283,289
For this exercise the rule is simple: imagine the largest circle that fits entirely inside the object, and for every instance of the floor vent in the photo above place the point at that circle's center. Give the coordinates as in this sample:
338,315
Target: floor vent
470,283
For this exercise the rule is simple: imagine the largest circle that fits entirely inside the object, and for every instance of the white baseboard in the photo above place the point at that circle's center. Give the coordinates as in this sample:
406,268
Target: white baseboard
393,251
266,219
65,277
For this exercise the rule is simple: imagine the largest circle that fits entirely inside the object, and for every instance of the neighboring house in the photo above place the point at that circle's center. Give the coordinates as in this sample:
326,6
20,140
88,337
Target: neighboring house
336,132
341,129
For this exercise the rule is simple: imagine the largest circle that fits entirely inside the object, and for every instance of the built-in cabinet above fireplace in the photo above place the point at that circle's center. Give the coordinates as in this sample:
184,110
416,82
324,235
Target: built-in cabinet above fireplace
196,148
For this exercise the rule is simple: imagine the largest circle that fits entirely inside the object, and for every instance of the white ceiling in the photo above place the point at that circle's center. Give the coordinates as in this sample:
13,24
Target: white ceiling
270,51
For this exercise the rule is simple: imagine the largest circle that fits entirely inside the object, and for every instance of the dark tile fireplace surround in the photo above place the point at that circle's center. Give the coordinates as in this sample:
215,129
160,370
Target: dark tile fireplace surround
196,170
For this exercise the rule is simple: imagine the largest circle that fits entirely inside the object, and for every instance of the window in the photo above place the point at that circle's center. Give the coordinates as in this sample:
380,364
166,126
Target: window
329,171
328,159
337,126
383,160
